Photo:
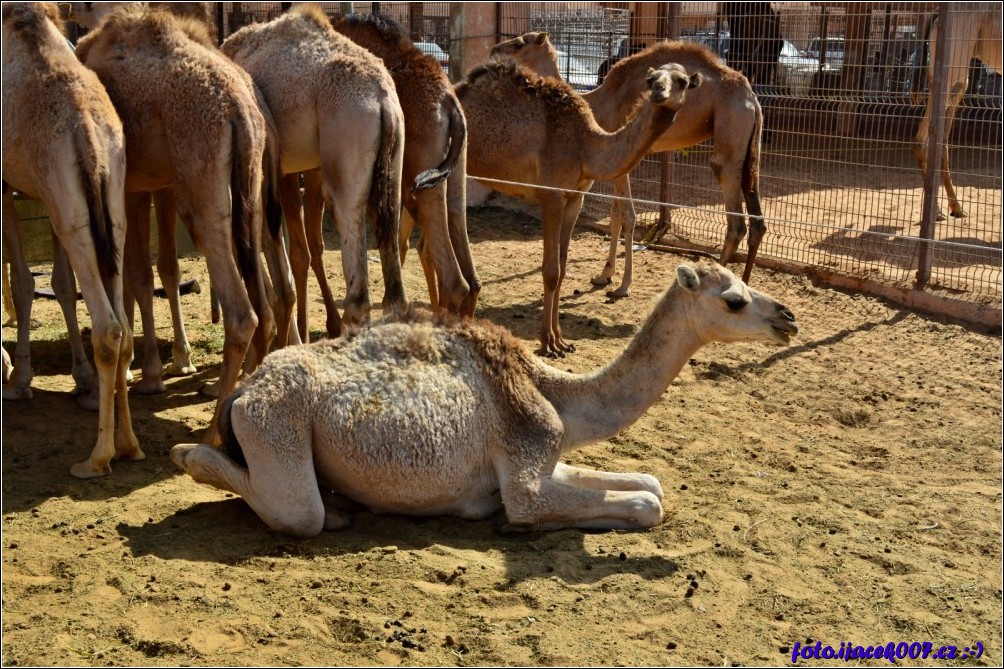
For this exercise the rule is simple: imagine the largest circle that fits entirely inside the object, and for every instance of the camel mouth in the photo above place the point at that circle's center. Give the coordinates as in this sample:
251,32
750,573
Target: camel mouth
784,332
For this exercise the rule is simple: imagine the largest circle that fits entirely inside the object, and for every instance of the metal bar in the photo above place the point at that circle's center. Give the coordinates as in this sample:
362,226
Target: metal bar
936,144
670,21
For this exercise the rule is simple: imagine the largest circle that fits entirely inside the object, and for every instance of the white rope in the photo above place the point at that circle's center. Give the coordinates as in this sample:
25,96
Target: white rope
788,221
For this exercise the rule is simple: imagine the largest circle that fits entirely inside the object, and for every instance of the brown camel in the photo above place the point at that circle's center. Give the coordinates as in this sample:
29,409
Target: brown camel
192,124
524,129
64,144
724,108
336,109
435,160
975,32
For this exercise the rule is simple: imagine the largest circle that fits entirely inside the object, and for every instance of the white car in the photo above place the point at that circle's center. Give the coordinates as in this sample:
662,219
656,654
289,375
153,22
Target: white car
795,70
436,51
574,72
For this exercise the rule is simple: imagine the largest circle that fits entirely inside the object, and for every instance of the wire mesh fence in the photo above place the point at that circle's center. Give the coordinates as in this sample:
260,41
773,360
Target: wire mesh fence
843,88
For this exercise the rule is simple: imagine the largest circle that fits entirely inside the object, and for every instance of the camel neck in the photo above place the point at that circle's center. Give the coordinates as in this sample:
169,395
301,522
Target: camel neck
598,405
612,106
611,155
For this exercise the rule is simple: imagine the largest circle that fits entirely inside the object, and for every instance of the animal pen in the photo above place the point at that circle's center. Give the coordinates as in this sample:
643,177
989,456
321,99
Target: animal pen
842,95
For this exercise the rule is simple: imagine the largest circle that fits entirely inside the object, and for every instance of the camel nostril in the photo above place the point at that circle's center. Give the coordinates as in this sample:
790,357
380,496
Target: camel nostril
787,315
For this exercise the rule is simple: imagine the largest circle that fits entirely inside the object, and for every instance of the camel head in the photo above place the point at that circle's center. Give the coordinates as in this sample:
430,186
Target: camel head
532,50
725,309
669,84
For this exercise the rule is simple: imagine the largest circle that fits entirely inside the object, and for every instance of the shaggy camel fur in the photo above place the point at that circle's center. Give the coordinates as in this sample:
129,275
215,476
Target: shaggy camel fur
975,32
426,417
64,143
435,160
724,108
192,123
523,128
335,107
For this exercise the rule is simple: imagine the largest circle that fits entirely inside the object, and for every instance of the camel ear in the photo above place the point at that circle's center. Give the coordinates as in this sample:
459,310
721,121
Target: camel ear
695,80
542,38
688,278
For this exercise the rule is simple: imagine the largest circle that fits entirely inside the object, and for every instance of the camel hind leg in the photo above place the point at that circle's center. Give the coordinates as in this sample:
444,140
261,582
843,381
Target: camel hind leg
64,285
313,222
279,483
18,386
170,278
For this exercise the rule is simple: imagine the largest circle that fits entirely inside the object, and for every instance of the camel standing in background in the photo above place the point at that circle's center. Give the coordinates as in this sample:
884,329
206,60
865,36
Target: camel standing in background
975,33
485,422
724,108
192,124
64,143
435,161
336,109
526,129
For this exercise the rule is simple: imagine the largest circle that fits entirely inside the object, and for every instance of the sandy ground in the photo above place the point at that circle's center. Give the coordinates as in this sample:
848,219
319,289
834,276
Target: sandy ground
846,489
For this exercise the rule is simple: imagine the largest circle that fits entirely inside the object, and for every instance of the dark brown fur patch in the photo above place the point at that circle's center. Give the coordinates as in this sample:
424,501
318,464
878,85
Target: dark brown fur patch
551,91
29,18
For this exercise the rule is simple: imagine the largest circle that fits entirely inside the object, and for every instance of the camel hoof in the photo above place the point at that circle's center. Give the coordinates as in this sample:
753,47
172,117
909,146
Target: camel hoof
129,453
211,390
180,452
88,402
180,369
87,470
601,281
961,213
336,520
149,386
619,293
16,394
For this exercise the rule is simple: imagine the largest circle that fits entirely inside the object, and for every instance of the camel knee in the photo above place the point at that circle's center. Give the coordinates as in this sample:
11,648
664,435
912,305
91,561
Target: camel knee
108,343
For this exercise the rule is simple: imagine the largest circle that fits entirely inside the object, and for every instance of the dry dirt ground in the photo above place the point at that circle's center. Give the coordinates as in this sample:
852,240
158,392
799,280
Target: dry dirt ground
846,489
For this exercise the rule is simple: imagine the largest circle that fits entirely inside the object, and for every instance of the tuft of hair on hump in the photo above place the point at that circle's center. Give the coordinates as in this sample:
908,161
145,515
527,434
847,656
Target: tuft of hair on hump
196,28
313,12
29,18
554,92
387,28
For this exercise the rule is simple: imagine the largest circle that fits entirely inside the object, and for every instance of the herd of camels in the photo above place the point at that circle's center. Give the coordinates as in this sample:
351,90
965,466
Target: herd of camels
149,107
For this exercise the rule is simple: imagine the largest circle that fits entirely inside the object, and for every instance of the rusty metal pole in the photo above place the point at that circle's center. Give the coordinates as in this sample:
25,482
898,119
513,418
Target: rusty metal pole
936,144
669,29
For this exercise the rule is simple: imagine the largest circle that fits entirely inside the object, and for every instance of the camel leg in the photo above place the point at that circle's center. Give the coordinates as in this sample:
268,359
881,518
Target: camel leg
23,285
955,96
622,217
456,216
299,253
437,249
347,199
139,284
170,278
599,480
553,504
551,205
408,216
279,484
728,172
279,269
8,301
107,334
313,222
569,217
920,148
64,285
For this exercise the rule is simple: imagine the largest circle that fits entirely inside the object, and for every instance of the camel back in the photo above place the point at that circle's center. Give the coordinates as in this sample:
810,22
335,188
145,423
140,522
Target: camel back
504,75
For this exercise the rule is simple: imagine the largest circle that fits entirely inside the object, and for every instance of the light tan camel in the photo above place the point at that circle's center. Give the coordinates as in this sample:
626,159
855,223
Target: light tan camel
64,144
427,416
192,124
335,108
525,129
724,108
435,160
975,32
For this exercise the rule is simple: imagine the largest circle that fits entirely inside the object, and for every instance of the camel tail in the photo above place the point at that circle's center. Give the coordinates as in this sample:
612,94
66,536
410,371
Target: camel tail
458,140
271,169
751,164
95,183
385,191
243,199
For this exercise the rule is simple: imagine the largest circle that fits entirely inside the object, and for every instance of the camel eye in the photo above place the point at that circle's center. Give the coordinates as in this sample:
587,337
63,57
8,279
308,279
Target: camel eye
735,304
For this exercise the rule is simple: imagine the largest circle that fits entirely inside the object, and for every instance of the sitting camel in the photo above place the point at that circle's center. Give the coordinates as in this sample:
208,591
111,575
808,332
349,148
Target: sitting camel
64,143
193,124
430,416
336,109
725,108
435,160
524,129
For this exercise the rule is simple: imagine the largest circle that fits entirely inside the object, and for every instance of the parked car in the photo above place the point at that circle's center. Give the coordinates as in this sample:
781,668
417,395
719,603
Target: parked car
718,44
795,70
574,72
625,47
436,51
834,50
